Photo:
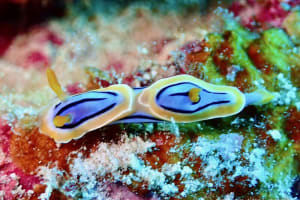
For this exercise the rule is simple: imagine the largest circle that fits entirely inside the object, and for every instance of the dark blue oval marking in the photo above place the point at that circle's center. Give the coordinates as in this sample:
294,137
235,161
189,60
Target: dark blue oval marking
195,110
139,117
71,105
87,95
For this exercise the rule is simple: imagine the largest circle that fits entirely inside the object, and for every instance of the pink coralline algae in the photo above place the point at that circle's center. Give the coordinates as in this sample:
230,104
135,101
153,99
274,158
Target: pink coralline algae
74,88
33,47
256,14
14,183
35,57
115,65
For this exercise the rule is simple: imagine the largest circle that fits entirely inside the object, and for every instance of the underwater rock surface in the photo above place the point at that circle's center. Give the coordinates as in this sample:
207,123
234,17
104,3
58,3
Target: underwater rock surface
254,154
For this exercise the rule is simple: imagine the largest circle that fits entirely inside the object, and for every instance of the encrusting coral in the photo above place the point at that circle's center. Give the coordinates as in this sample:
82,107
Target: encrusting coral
253,154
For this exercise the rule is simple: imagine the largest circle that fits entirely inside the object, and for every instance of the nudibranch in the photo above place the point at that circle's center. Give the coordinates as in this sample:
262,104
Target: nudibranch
181,99
75,115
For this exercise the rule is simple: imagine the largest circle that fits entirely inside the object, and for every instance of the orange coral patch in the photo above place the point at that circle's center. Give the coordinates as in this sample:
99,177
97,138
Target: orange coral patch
178,183
242,80
31,149
258,59
196,165
140,188
264,137
292,125
222,58
196,52
164,142
240,186
40,189
295,71
96,83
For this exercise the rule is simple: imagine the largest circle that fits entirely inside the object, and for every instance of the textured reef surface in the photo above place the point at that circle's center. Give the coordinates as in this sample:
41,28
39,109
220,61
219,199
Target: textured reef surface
252,155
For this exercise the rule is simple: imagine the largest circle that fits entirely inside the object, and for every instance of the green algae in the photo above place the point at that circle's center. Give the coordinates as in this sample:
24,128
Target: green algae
239,39
275,44
240,56
277,49
293,26
214,39
281,167
93,73
211,73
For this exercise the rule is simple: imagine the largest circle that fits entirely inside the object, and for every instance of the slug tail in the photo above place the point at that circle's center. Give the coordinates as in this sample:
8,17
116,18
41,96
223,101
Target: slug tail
259,97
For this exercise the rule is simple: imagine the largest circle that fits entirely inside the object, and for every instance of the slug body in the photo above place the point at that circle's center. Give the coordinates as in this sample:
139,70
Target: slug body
181,99
171,99
87,111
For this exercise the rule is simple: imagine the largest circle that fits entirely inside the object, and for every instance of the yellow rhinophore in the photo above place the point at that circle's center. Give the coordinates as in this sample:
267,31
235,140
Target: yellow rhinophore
60,121
54,84
194,94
